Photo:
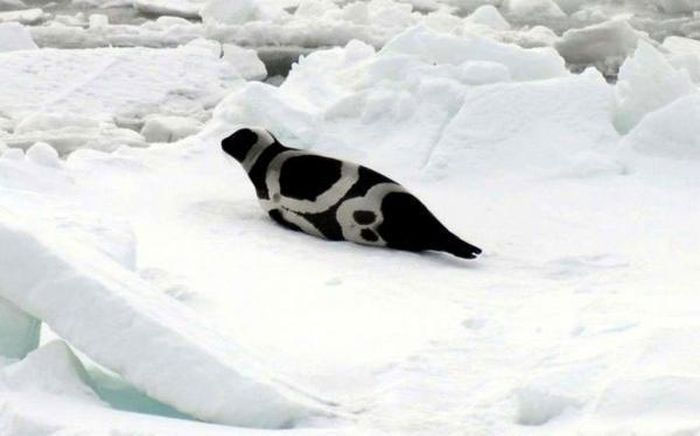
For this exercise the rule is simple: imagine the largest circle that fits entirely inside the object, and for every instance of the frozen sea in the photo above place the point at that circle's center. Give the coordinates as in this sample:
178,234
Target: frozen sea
143,291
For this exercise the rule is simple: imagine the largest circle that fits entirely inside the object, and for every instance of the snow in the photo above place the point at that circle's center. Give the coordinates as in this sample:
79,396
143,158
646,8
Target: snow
24,16
51,392
432,47
540,8
672,131
114,82
112,314
245,61
605,45
488,15
647,81
684,53
159,128
14,36
97,98
163,32
96,21
43,154
226,12
178,8
578,319
52,369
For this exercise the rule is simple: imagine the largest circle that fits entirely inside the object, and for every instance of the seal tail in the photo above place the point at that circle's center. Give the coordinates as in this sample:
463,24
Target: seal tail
460,248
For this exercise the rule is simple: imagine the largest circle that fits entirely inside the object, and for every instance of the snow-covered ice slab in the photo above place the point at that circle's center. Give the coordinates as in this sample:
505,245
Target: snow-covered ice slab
163,32
647,82
605,45
153,342
99,98
50,392
113,82
178,8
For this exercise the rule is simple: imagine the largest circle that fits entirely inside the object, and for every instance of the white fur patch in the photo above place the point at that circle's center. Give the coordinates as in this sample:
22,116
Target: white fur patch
264,141
371,201
349,174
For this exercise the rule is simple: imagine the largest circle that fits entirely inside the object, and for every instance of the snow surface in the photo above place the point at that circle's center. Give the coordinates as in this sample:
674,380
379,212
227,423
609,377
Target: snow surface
579,318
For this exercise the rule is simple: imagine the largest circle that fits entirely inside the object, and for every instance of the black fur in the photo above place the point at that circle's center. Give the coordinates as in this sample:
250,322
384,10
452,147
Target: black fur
368,178
276,215
364,217
326,223
422,231
239,144
307,177
259,171
369,235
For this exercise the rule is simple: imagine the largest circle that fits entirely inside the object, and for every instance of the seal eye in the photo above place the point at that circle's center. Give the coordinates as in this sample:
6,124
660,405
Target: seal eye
239,143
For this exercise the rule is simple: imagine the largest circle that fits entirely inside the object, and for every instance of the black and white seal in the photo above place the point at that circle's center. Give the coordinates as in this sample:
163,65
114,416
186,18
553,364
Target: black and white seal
337,200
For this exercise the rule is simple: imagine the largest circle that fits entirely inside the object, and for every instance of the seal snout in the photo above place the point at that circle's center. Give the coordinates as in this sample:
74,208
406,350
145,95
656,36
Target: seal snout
239,143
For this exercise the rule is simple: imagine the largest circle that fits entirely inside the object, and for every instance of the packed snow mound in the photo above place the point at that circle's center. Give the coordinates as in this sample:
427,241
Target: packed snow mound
43,154
537,8
488,15
438,48
19,331
163,128
672,131
684,53
605,45
153,342
163,32
647,82
426,91
245,61
14,36
239,12
540,126
52,369
67,132
314,24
